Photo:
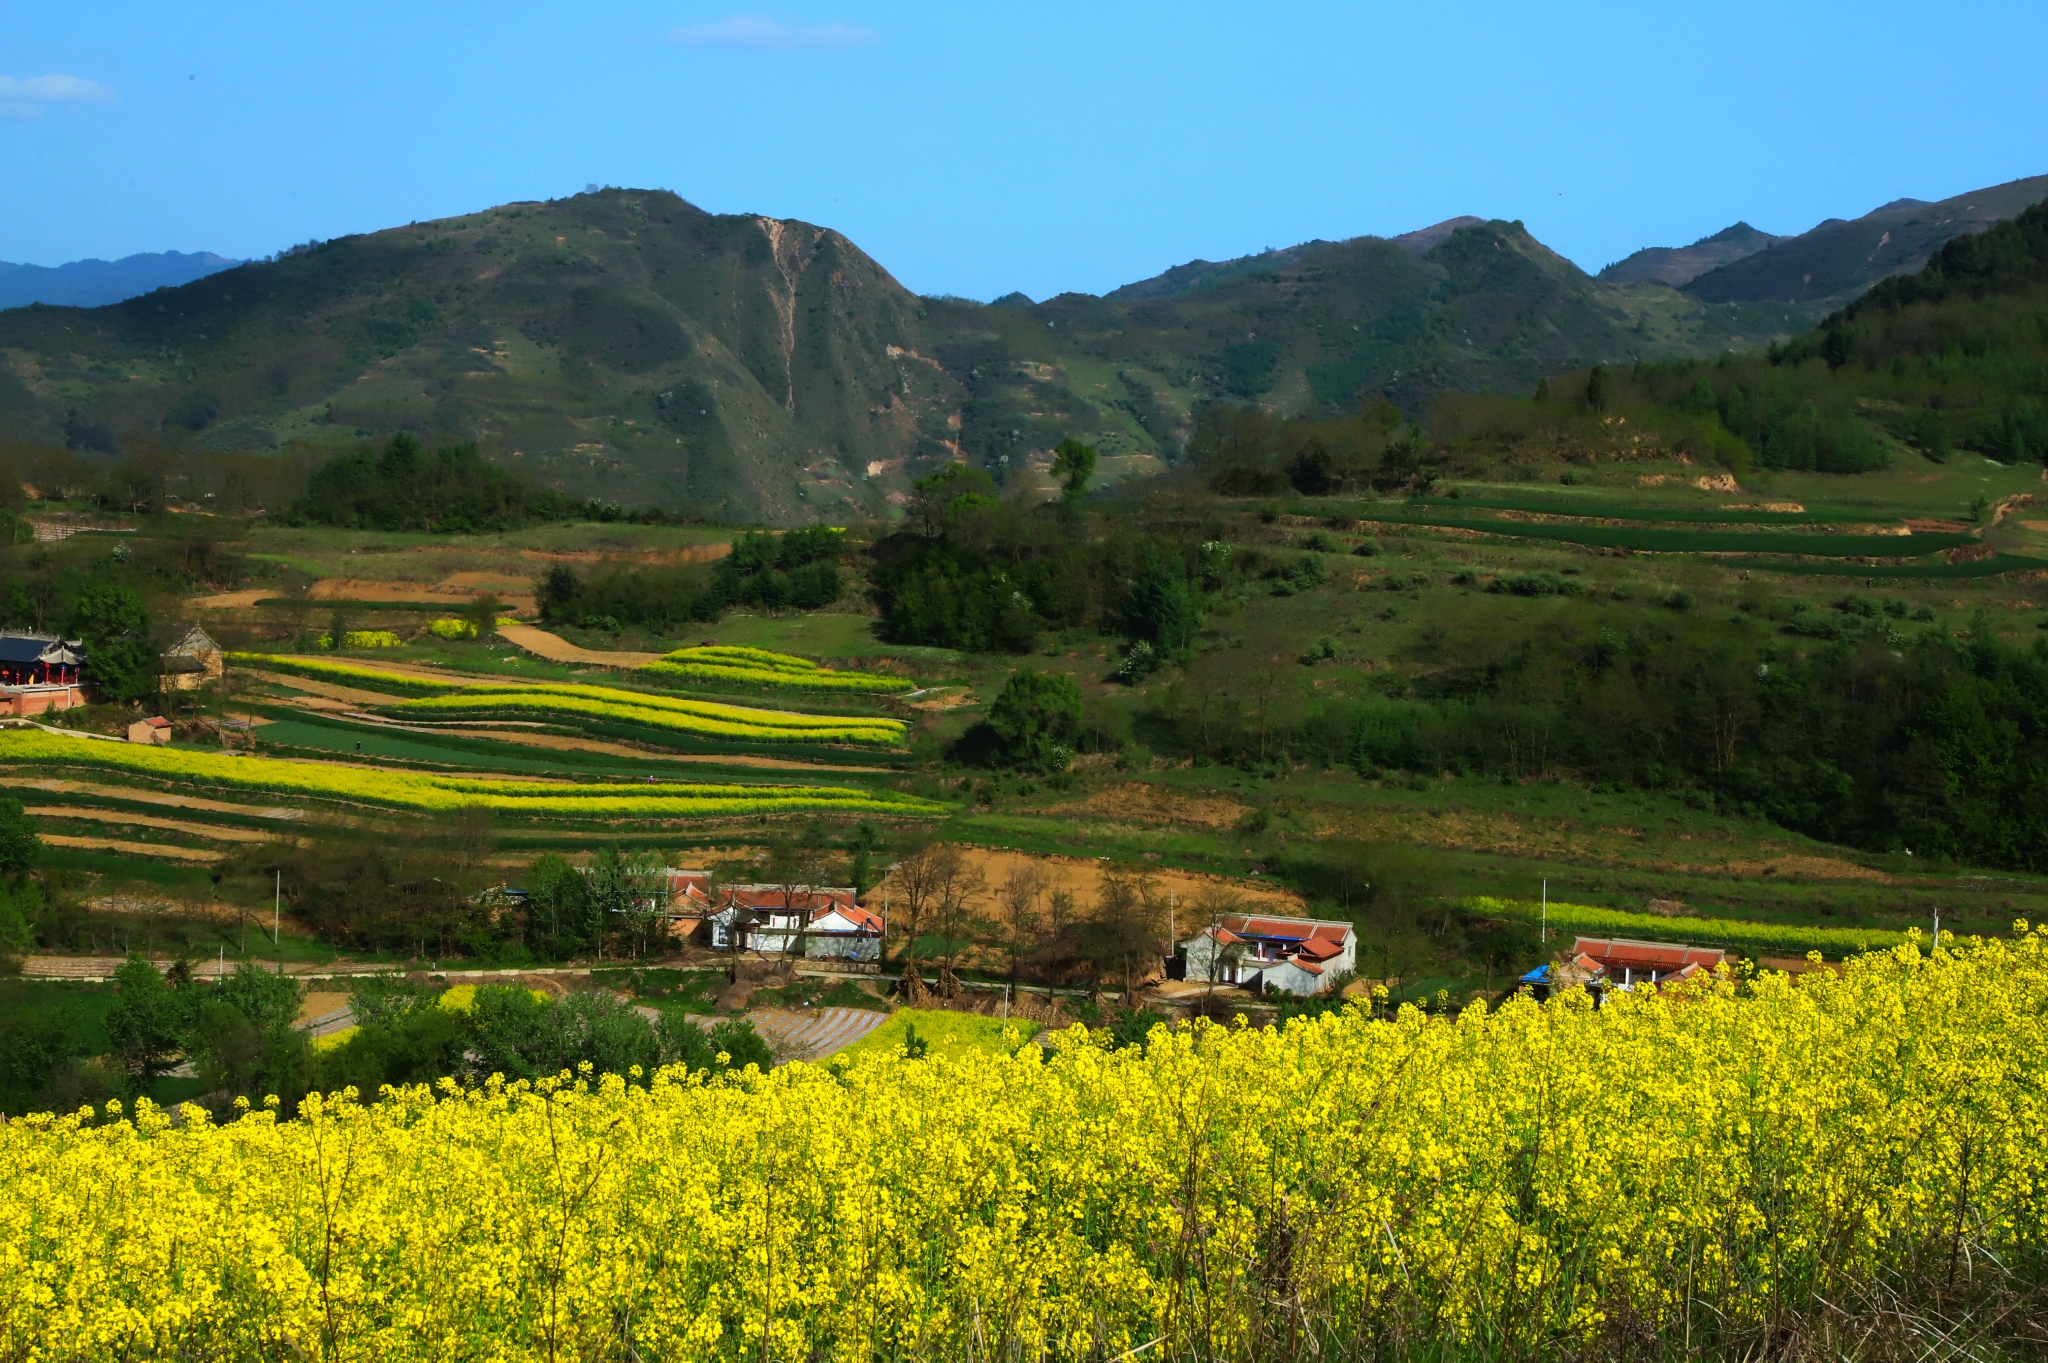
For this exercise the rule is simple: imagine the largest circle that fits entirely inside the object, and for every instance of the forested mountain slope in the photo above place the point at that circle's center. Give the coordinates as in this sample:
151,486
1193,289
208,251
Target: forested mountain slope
627,345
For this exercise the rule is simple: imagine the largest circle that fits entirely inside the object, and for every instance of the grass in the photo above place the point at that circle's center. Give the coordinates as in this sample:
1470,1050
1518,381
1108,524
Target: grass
1736,934
1997,565
1621,511
946,1034
827,634
1691,542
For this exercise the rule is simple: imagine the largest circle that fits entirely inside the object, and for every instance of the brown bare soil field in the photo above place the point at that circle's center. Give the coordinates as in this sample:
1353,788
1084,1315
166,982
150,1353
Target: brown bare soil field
198,830
162,851
441,593
320,1004
1799,868
556,649
1140,802
1080,876
231,600
1676,854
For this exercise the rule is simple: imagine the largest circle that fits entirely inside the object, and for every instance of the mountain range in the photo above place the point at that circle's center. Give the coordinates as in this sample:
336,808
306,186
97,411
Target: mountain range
95,283
1833,262
626,344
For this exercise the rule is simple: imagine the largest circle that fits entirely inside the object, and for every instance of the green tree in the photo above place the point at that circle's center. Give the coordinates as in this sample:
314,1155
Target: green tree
20,847
561,914
864,843
1599,388
146,1022
936,500
685,1043
111,622
1160,608
482,614
1035,721
412,1045
1073,463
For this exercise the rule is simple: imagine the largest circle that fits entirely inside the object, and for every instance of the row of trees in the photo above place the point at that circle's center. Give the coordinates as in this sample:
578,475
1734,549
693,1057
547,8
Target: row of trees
451,491
990,575
240,1036
944,914
796,570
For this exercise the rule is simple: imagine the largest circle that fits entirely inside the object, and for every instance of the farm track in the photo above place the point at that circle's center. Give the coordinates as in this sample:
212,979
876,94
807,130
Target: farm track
160,850
142,795
197,830
556,649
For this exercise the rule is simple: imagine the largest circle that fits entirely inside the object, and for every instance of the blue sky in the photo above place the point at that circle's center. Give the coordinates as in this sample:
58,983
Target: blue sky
975,149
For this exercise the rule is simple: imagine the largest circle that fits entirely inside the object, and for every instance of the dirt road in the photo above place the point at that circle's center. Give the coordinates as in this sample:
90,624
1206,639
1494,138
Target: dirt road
556,649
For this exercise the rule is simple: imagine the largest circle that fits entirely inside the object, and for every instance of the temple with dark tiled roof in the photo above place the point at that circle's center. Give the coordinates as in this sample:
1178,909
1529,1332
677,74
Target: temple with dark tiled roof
39,673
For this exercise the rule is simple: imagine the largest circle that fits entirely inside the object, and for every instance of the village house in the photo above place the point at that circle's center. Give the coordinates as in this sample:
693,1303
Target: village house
192,662
1604,963
39,673
779,920
1287,955
155,729
685,903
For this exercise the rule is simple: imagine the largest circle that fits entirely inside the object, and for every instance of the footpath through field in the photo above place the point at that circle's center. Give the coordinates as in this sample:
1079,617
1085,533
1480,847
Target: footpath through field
556,649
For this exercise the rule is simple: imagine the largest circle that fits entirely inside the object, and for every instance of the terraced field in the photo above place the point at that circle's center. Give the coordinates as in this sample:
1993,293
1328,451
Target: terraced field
1662,541
380,788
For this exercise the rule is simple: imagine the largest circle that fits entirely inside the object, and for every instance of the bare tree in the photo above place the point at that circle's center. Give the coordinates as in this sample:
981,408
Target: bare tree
956,918
1022,916
1126,927
1212,908
917,887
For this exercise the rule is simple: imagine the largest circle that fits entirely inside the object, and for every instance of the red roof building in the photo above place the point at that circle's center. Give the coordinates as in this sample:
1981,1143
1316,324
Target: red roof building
1292,955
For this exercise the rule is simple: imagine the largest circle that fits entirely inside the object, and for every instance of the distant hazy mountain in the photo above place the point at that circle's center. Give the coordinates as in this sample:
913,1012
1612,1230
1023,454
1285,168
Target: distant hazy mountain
1838,260
1679,265
95,283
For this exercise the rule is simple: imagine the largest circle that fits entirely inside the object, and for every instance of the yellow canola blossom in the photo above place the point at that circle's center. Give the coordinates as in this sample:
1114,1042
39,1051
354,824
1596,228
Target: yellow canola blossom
428,792
327,669
715,664
705,718
1542,1181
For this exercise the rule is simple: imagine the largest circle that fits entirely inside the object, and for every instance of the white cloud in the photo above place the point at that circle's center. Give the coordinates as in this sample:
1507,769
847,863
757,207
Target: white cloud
53,89
770,35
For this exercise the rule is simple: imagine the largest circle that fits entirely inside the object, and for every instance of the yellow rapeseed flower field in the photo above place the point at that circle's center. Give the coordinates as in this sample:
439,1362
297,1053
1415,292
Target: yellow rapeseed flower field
1712,1170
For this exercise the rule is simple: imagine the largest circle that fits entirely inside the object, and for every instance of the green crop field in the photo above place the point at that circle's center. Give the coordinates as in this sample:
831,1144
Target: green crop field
1610,508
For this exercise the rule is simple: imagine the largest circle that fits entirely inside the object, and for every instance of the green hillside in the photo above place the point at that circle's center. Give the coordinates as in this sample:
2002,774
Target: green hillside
627,346
622,345
1950,360
1315,327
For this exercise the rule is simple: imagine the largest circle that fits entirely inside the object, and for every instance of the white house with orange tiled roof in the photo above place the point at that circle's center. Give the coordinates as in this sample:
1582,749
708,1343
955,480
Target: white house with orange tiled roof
1290,955
780,920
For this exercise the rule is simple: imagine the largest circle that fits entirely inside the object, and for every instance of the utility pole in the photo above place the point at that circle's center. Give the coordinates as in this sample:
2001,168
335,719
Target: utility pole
277,919
1544,932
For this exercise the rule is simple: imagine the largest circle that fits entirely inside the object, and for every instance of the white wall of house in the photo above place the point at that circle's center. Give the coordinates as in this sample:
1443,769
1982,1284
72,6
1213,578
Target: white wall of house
1239,963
